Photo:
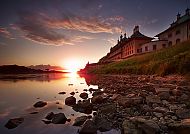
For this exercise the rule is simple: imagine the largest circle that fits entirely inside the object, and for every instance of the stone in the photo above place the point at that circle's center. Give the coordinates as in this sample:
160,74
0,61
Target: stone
130,128
50,116
83,107
164,95
72,93
59,118
84,95
46,121
161,90
80,120
40,104
102,124
153,99
159,115
183,113
116,96
70,101
97,99
62,93
88,128
182,127
13,123
147,126
107,109
97,93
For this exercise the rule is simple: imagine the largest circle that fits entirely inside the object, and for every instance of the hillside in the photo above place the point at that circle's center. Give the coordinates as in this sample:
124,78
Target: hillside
173,60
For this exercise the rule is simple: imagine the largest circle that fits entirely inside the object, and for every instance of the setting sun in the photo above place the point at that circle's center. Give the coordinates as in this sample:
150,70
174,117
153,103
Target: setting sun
72,65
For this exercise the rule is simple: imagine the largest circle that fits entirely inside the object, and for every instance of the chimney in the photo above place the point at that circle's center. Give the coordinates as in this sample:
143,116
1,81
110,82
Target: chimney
187,11
178,16
136,29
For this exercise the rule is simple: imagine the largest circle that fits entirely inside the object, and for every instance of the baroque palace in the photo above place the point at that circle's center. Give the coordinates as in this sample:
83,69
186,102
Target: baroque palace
138,43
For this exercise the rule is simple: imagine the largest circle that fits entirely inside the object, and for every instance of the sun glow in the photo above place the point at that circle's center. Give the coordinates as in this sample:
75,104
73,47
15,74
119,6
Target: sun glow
72,65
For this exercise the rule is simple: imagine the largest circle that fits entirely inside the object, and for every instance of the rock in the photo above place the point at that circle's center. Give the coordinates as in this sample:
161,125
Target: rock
84,95
50,116
159,115
102,124
83,107
97,93
161,90
130,128
184,98
128,102
59,118
88,128
182,127
13,123
153,99
91,89
40,104
70,101
164,95
80,120
147,126
34,113
62,93
107,109
85,90
97,99
72,93
183,113
116,96
46,121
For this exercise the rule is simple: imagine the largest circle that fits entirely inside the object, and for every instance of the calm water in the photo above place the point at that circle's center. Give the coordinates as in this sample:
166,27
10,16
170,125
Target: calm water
17,96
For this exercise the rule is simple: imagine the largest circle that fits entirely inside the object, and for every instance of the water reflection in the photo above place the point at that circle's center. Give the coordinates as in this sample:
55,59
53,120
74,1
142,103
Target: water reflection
18,93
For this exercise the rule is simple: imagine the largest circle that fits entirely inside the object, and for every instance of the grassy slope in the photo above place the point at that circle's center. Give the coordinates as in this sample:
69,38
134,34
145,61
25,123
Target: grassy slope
173,60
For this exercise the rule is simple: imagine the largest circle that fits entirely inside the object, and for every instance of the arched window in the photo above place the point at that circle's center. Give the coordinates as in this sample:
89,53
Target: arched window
177,41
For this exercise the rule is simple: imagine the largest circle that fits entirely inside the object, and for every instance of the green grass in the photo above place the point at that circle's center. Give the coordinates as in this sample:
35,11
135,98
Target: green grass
173,60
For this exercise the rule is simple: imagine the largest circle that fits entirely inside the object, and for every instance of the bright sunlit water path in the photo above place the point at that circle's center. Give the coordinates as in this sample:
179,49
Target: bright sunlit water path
17,98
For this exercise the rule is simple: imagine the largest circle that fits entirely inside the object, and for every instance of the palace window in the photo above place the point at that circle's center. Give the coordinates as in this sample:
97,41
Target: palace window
177,32
164,45
146,48
154,47
170,35
177,41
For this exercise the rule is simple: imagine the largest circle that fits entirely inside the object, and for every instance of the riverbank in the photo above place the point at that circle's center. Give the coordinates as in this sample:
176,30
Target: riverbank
141,104
172,60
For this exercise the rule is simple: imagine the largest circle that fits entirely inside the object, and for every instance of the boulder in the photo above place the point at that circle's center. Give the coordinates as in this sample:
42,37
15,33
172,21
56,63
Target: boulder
72,93
83,107
84,95
102,124
13,123
183,113
50,116
88,128
40,104
164,95
182,127
70,101
80,120
153,99
59,118
97,99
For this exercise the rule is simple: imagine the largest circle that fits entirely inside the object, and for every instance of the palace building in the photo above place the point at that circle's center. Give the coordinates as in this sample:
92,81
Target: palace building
138,43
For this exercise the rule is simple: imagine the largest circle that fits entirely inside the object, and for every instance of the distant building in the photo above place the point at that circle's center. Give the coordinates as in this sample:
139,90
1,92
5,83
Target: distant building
178,31
138,43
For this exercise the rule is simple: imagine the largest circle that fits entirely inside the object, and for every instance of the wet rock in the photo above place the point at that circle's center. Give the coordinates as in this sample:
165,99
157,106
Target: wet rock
153,99
13,123
183,113
91,89
88,128
62,93
97,93
72,93
97,99
84,95
182,127
102,124
161,90
50,116
70,101
46,121
59,118
147,126
107,109
83,107
130,128
164,95
34,113
116,96
40,104
80,120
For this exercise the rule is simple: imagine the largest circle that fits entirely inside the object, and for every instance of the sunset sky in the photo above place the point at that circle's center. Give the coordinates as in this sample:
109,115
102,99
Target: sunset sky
62,32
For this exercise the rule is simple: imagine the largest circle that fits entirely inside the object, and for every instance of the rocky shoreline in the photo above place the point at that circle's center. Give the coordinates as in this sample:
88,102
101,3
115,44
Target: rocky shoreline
138,104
